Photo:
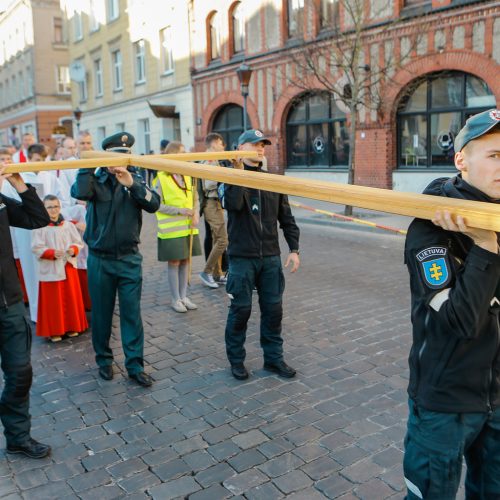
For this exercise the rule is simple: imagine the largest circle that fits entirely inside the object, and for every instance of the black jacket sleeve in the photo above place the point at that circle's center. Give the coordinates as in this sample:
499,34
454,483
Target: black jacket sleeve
147,199
287,223
30,213
83,187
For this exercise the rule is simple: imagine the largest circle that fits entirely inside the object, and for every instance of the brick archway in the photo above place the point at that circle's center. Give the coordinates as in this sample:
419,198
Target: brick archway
466,62
215,105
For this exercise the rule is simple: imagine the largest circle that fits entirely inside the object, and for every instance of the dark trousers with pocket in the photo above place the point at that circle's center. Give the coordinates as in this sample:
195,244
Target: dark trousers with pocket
107,278
15,353
435,445
266,274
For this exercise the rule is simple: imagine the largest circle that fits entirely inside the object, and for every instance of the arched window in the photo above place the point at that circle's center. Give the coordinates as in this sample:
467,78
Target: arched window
213,38
229,123
238,28
317,136
432,112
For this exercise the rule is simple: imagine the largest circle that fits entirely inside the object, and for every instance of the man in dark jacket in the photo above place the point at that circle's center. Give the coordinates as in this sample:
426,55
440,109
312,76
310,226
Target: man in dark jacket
15,331
454,384
116,198
254,261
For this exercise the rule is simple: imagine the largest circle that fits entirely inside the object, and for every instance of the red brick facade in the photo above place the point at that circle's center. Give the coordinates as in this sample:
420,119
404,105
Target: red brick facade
464,49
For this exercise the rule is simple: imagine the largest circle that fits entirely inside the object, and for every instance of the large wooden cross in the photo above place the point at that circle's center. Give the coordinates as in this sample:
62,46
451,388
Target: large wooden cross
476,214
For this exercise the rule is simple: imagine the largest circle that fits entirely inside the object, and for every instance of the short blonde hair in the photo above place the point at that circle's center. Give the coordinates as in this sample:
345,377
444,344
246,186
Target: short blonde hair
174,147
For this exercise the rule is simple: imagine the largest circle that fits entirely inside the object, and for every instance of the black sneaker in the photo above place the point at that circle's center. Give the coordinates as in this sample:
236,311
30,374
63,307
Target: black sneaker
281,368
239,371
30,448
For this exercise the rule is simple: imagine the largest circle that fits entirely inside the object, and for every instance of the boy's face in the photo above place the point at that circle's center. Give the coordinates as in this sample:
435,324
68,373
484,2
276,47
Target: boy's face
5,158
53,208
217,145
479,163
259,147
36,157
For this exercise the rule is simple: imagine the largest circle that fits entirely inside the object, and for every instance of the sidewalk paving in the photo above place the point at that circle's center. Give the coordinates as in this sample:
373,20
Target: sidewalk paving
335,431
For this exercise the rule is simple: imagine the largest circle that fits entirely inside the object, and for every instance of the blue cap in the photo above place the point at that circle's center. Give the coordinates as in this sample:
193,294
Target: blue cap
476,126
252,136
164,143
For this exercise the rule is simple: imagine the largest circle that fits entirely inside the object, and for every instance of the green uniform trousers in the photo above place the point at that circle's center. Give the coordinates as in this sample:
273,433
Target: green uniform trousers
435,445
15,352
106,278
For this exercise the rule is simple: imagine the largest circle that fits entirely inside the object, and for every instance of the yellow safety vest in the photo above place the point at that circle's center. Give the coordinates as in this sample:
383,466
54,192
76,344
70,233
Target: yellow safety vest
174,226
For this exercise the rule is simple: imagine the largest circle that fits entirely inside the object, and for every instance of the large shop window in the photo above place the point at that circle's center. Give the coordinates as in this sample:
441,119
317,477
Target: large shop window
229,123
433,112
317,137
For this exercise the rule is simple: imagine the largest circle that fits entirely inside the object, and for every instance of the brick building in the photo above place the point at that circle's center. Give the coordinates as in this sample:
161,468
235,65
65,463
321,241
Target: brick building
451,71
35,92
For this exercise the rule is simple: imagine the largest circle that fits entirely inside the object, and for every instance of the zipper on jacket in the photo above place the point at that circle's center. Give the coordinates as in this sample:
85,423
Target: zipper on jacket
490,374
260,223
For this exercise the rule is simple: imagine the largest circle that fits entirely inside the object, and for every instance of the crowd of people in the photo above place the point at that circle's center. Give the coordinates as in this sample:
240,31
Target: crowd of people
454,388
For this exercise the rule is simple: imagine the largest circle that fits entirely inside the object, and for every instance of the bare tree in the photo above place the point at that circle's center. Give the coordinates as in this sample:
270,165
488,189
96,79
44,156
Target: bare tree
352,59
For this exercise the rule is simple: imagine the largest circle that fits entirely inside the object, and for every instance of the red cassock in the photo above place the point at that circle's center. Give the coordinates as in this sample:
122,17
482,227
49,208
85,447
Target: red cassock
60,306
84,286
21,280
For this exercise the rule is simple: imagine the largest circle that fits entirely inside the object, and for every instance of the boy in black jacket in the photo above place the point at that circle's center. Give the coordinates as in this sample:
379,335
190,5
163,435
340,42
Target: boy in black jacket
454,389
254,261
15,332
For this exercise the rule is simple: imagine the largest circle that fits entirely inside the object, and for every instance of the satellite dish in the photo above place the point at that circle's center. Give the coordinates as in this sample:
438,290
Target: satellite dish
77,71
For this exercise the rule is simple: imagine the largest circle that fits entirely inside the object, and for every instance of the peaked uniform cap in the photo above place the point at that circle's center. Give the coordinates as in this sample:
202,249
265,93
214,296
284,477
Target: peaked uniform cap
120,140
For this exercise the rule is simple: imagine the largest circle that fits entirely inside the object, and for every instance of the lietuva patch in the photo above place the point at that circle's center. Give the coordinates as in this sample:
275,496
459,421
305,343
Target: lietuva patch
433,264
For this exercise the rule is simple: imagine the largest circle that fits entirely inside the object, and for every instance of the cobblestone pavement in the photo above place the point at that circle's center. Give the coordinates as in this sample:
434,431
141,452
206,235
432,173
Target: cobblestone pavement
335,431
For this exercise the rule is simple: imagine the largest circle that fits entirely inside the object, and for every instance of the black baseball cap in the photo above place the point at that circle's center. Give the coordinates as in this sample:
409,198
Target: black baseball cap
476,126
252,136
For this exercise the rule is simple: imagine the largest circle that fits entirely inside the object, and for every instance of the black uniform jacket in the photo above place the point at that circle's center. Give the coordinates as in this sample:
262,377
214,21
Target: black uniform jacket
253,217
28,214
114,212
455,357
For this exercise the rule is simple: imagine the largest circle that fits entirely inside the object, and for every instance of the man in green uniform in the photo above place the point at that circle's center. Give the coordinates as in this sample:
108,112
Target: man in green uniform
116,197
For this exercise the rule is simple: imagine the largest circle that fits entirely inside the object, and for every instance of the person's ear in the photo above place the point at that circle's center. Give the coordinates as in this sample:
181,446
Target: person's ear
461,161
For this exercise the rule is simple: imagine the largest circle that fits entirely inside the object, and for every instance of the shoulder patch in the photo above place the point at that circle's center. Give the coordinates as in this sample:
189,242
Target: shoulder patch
434,266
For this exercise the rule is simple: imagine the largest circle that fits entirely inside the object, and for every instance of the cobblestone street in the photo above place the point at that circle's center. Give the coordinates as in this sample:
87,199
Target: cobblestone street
335,431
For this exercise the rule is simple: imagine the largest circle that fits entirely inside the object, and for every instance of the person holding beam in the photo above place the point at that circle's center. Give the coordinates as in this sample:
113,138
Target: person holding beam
15,331
254,261
115,199
454,387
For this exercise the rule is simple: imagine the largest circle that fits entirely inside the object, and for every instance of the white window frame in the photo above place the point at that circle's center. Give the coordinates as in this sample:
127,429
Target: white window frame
140,61
117,64
94,24
77,26
98,78
63,81
167,54
145,131
113,9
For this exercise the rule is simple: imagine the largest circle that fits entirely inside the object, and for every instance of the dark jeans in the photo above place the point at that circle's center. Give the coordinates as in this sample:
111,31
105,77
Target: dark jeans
15,351
267,275
435,445
107,277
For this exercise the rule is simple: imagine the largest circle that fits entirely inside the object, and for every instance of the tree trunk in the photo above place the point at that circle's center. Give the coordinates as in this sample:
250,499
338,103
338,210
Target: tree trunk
352,151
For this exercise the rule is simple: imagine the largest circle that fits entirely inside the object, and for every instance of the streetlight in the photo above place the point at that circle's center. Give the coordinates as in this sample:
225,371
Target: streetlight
77,113
244,73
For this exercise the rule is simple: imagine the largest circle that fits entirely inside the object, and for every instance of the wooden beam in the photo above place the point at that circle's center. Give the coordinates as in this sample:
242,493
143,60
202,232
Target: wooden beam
42,166
207,155
476,214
